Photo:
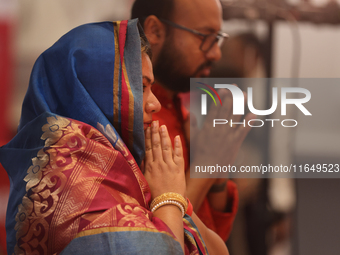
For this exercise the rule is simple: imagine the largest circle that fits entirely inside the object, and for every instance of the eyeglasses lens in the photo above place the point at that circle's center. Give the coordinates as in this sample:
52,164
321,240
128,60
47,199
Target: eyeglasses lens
210,40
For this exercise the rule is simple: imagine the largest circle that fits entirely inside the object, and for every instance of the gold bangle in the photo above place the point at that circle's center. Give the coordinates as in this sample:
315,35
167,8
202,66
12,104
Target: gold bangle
170,196
168,202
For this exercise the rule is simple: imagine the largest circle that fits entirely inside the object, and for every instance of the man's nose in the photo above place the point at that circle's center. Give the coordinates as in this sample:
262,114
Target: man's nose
215,53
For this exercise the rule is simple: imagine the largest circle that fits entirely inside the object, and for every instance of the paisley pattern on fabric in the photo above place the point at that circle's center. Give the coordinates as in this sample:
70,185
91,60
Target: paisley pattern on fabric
42,191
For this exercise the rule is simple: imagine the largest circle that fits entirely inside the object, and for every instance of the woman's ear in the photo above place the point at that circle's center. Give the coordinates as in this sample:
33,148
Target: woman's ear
154,30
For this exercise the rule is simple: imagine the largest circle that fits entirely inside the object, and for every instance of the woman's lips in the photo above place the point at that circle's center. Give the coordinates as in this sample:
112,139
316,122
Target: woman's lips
146,125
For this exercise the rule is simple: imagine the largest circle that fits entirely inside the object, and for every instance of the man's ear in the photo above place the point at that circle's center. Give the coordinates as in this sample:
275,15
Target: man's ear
154,30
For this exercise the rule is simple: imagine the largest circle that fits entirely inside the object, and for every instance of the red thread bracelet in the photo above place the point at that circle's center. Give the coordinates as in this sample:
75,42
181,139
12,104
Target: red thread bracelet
190,208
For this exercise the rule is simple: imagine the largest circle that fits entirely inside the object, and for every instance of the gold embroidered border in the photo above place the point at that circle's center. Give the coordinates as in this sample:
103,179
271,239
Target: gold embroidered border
192,241
131,106
116,26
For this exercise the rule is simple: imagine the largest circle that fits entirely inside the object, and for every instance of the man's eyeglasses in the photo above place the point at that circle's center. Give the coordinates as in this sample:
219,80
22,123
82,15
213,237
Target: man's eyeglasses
208,40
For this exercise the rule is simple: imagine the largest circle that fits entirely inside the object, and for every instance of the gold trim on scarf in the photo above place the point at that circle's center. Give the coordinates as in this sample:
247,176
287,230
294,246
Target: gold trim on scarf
116,101
192,241
118,229
197,233
131,107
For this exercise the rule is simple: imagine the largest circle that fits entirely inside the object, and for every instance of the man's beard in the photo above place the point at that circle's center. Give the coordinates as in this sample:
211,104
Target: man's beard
169,69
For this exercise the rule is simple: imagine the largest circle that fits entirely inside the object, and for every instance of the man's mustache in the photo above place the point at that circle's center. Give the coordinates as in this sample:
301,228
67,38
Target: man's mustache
207,64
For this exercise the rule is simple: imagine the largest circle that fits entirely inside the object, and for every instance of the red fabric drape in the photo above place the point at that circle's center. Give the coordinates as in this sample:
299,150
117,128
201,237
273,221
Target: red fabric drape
5,80
6,85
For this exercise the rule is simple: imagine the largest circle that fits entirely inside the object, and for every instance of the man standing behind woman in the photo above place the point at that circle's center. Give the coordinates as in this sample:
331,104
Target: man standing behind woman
185,38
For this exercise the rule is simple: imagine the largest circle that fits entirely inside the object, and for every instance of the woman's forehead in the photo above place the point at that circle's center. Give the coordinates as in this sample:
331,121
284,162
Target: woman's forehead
147,70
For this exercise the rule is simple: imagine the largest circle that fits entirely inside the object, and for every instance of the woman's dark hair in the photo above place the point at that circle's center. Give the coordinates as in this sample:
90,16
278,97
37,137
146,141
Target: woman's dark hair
145,45
162,9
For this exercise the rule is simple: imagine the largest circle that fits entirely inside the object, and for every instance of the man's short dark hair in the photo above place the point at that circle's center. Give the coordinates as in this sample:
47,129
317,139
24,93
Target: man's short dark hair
162,9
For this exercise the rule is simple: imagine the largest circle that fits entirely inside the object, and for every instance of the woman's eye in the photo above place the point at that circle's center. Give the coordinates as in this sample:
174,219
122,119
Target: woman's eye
144,87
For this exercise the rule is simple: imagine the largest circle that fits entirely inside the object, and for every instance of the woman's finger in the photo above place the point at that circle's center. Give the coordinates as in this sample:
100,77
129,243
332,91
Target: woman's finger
156,142
166,145
148,146
178,151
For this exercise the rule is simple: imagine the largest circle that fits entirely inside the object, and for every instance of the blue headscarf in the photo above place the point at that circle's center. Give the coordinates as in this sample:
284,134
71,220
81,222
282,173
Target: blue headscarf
76,78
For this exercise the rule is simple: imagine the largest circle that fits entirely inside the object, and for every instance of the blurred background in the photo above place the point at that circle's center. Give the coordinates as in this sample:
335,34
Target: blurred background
269,38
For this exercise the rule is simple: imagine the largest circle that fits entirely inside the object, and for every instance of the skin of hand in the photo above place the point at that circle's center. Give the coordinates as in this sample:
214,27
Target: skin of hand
164,172
208,143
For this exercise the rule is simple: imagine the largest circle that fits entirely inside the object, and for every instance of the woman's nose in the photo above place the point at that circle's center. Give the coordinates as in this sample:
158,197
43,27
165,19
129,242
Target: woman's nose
152,105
